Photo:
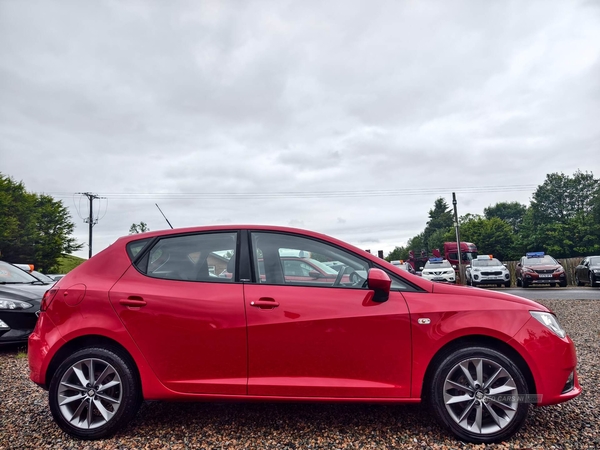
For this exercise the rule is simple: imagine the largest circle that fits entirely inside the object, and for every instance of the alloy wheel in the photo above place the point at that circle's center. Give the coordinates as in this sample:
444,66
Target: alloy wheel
89,393
480,396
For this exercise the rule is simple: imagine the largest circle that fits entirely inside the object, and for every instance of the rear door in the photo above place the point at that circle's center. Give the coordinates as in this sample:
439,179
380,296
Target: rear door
188,322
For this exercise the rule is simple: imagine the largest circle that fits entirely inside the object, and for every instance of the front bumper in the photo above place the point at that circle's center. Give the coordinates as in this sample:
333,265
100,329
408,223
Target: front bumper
490,279
16,325
534,278
552,361
439,278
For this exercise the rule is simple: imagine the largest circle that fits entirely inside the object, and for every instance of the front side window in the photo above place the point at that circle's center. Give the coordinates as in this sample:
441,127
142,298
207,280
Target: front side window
293,260
198,257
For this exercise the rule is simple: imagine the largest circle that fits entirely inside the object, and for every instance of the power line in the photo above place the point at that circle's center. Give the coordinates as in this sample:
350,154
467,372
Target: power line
309,194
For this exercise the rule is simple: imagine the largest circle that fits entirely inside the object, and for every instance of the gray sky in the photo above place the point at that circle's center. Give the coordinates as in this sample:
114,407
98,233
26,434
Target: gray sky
345,117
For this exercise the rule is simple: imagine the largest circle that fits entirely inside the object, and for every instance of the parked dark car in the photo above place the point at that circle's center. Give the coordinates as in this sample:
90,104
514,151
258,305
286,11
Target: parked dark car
588,271
539,268
20,298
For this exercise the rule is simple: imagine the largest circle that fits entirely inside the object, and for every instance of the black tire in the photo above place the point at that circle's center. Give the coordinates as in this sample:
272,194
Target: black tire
552,284
101,407
507,284
519,284
592,279
449,374
578,282
524,284
563,283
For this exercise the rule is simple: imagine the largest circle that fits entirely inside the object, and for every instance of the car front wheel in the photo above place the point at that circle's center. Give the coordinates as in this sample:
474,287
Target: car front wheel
592,279
94,393
477,392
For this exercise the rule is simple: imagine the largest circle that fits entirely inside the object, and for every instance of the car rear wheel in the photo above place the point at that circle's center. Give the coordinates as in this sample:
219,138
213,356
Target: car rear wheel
94,393
476,392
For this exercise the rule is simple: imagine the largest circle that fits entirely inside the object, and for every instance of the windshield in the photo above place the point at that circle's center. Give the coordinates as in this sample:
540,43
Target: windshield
595,260
486,262
10,274
437,265
541,261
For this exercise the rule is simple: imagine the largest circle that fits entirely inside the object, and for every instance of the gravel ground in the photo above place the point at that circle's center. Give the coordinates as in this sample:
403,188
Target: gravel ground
25,420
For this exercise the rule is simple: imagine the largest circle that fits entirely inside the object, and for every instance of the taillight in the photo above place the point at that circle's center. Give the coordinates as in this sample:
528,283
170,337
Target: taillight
47,298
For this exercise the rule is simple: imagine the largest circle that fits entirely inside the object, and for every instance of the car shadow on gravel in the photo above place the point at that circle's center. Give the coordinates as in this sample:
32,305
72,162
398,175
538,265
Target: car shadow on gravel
256,423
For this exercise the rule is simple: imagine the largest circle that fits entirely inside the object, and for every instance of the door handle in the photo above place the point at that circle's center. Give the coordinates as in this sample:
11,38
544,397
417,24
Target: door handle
133,301
264,303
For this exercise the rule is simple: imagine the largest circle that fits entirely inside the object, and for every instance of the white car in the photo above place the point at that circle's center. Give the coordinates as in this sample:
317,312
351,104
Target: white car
487,270
439,269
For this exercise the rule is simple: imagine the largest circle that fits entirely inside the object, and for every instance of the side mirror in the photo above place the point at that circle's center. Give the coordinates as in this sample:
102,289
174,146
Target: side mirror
504,265
468,266
421,268
380,282
454,266
314,274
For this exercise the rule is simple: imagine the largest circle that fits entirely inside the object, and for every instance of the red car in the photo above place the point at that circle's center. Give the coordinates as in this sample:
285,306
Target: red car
537,268
146,319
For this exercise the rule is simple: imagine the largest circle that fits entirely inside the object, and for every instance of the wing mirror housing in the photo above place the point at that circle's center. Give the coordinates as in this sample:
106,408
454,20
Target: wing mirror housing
380,282
314,274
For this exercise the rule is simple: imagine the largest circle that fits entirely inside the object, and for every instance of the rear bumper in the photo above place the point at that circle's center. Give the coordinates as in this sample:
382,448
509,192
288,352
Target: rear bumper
39,348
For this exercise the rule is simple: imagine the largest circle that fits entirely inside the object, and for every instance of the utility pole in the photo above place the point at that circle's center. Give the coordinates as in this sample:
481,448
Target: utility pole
90,220
458,252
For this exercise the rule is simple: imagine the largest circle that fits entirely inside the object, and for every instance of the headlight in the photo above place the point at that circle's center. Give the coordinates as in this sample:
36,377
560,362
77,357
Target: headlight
559,269
14,304
549,321
596,271
476,270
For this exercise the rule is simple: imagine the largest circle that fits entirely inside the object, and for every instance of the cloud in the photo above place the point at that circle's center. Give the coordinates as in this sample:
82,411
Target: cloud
296,113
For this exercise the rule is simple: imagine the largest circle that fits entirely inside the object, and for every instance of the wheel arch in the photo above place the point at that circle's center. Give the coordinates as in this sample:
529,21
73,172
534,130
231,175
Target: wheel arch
90,341
479,341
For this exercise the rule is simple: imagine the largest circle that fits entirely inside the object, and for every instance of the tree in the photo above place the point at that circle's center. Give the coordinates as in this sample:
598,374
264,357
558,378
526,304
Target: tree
440,218
397,254
138,228
563,217
560,198
511,212
492,236
34,229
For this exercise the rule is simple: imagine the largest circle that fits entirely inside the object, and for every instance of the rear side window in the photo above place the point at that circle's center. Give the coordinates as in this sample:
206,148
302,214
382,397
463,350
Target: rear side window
198,257
135,247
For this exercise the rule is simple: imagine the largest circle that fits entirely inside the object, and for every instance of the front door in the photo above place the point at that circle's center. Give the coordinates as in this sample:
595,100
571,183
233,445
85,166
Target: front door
322,340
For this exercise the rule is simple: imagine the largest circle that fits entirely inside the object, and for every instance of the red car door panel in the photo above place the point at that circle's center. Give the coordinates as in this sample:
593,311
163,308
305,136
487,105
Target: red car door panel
326,342
193,334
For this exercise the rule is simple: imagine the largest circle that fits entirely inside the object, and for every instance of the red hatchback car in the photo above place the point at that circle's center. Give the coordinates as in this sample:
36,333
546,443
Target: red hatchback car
147,319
